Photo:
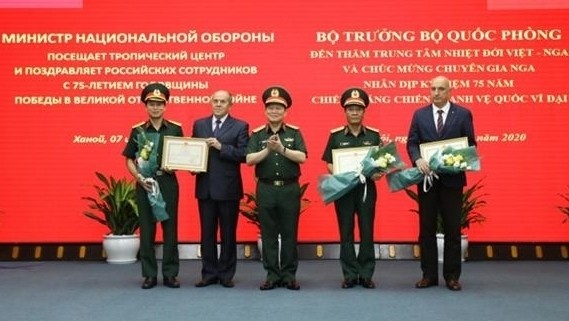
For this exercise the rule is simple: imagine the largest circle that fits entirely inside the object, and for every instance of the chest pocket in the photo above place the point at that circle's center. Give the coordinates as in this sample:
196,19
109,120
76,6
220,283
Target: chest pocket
288,142
262,144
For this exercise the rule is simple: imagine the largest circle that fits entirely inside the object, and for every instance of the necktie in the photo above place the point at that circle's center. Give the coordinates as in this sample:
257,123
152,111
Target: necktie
440,122
217,125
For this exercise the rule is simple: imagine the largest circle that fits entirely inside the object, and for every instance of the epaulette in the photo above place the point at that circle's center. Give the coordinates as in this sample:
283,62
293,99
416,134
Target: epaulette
175,123
138,124
372,129
335,130
292,126
259,128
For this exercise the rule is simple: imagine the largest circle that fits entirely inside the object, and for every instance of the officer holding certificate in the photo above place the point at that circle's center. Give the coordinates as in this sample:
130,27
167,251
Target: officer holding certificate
356,269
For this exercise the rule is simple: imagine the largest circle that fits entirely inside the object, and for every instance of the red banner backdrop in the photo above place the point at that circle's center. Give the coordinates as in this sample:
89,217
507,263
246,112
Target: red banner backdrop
71,77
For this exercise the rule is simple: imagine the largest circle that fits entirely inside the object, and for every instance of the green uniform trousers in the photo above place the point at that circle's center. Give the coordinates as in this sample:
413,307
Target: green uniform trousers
279,209
351,204
170,257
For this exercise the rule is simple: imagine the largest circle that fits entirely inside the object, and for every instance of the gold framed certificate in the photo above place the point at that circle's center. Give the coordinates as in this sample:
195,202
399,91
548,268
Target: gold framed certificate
429,149
185,153
348,159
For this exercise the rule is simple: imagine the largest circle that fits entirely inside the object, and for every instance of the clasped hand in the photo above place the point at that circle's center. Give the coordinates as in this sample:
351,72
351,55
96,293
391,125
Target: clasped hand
145,183
274,143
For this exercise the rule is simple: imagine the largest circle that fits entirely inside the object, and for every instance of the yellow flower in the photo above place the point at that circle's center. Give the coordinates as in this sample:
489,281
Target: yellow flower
146,150
144,154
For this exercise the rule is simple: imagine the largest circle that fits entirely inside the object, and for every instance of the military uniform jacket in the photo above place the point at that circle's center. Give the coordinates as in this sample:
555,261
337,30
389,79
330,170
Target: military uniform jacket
276,166
342,138
168,128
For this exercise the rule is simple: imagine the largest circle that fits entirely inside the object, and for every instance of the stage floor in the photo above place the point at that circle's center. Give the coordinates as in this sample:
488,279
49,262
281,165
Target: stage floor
72,290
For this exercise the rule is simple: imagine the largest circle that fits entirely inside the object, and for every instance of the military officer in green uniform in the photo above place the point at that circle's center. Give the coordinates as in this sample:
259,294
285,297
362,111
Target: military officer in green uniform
356,269
143,154
277,150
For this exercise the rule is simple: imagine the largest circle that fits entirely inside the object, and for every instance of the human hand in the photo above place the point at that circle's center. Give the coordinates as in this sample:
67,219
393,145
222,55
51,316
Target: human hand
213,142
376,176
423,166
144,182
274,143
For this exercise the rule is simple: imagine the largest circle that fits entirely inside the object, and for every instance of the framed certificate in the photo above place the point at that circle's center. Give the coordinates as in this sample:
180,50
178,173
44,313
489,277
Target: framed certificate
185,153
428,149
347,159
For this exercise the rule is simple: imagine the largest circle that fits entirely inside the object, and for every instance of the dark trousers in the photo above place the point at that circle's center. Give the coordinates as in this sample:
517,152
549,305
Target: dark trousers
279,209
347,207
170,257
448,202
219,216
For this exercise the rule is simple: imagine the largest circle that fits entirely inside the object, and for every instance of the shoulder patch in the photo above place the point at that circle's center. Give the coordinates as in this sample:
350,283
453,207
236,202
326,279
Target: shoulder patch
372,129
175,123
258,129
292,126
335,130
138,124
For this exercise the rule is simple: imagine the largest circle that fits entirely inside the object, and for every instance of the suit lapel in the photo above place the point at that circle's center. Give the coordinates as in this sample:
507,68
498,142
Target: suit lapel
451,118
429,118
208,127
432,122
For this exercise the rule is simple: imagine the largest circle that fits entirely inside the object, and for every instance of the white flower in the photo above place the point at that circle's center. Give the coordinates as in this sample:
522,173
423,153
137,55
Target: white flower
141,162
385,160
381,162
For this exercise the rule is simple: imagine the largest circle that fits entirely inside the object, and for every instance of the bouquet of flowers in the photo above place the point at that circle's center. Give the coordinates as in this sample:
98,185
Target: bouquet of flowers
378,159
147,165
449,160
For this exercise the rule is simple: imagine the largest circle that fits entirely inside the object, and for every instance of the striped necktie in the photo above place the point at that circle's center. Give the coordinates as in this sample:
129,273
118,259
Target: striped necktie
440,123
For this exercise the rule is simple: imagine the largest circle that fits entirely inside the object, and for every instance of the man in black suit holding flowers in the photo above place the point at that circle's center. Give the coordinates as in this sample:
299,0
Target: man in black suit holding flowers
439,121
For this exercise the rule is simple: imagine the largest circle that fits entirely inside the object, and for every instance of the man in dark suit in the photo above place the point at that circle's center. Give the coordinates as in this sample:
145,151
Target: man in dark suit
220,189
440,121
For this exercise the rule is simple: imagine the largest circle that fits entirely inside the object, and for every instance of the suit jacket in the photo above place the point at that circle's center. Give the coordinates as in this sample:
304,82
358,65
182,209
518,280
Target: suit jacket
423,130
222,181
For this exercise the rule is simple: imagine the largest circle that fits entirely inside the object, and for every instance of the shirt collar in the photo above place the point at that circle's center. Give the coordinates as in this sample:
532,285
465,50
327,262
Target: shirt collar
445,108
268,128
164,123
347,130
213,119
